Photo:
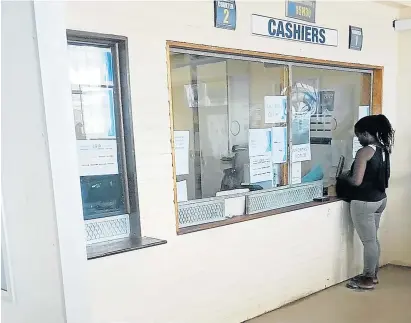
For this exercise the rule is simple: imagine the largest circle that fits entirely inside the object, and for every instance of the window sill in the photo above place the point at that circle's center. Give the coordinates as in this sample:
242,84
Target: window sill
109,248
244,218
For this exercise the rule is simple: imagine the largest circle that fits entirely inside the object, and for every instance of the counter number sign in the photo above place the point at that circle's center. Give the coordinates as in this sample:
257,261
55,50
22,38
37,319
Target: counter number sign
225,15
301,10
355,40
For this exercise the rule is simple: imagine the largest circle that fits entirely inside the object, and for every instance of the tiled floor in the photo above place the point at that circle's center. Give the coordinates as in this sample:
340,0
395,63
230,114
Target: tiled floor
390,302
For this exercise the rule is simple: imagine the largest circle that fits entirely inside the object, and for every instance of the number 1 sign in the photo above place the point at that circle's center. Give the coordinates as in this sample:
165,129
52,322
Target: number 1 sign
225,14
356,36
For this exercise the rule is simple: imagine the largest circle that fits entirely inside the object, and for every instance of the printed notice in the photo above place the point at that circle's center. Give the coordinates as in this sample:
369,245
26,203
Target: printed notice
181,151
97,157
279,145
259,141
301,149
182,191
296,173
275,109
261,168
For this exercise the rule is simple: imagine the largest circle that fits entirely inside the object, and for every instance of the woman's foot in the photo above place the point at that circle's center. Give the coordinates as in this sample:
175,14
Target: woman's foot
361,282
374,280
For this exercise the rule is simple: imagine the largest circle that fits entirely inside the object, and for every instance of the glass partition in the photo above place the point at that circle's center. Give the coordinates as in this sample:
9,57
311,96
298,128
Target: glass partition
251,135
223,128
325,106
96,119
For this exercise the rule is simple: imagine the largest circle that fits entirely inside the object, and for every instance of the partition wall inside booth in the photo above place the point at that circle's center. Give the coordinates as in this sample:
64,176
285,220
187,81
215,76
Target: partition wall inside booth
255,132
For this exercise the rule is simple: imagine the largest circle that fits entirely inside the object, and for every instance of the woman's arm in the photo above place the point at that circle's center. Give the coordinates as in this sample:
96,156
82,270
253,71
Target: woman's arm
360,164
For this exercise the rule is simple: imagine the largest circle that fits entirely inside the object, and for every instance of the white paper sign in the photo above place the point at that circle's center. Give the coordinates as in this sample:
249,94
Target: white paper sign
363,111
296,173
182,191
97,157
259,141
261,168
275,108
301,153
301,149
279,145
356,146
181,151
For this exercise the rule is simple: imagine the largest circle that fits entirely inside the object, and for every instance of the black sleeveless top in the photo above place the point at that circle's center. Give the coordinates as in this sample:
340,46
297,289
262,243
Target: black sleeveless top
375,181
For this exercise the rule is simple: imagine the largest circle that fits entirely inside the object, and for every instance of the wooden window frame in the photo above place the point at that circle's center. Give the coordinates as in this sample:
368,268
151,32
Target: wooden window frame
375,92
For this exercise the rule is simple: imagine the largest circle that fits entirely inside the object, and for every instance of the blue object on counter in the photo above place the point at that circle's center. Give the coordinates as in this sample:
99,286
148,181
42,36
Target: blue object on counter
315,174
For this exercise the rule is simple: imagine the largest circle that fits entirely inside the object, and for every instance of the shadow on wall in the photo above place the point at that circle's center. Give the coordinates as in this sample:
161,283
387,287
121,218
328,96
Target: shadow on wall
398,221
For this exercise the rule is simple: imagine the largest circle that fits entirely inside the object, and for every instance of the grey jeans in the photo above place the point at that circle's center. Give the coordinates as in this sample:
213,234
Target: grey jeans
366,217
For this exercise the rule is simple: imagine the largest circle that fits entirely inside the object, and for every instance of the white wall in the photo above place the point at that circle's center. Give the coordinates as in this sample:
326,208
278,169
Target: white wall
231,273
41,199
400,216
26,179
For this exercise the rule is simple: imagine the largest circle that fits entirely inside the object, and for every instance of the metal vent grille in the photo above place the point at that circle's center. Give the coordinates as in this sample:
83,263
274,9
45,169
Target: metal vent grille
199,212
211,210
282,197
109,228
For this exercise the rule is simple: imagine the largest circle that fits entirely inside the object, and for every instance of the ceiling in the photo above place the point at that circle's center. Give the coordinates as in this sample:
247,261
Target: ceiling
397,4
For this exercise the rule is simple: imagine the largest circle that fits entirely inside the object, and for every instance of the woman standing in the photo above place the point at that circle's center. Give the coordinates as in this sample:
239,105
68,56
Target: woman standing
367,181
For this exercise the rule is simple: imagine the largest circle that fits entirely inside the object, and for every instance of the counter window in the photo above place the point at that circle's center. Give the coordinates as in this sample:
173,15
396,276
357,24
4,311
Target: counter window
252,135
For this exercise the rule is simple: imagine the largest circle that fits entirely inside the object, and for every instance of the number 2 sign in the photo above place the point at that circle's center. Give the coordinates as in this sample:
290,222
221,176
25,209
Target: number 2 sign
225,14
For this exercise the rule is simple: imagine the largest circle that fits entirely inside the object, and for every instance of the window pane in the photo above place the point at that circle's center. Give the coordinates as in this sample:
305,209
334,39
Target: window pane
230,125
325,106
90,65
95,119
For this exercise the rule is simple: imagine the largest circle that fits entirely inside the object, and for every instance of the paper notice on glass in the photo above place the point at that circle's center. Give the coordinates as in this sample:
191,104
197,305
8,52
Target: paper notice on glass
275,109
363,111
182,191
259,141
181,151
279,145
97,157
261,168
356,146
296,173
301,149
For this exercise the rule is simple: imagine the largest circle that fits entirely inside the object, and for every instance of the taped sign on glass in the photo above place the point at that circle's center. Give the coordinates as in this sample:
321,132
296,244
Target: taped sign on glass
225,14
326,102
290,30
259,141
275,108
261,168
97,157
301,149
279,145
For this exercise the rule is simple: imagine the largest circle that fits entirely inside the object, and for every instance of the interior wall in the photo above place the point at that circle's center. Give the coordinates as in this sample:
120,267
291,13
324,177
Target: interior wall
27,193
399,192
239,271
41,200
